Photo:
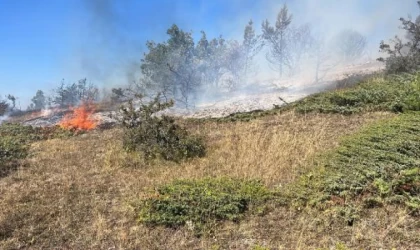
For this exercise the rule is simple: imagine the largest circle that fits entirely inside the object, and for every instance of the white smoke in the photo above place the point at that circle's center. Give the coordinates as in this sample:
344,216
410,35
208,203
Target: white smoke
4,118
107,47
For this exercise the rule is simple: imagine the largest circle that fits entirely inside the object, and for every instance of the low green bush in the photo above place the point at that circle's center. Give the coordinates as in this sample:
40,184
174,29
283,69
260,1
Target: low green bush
157,136
197,203
378,165
396,94
16,138
11,149
403,55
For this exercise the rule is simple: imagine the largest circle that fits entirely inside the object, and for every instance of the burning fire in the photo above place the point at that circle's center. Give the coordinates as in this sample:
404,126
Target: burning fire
80,118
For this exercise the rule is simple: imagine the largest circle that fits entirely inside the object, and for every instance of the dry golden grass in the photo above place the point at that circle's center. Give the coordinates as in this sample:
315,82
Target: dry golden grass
77,193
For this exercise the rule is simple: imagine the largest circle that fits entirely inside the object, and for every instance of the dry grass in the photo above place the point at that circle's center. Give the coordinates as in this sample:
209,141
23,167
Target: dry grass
77,193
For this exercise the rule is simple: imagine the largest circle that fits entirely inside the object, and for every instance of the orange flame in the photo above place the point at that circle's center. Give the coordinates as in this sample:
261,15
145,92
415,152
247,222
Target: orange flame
80,119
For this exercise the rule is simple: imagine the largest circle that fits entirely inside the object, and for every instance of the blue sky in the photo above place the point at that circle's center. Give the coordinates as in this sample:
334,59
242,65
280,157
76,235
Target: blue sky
45,41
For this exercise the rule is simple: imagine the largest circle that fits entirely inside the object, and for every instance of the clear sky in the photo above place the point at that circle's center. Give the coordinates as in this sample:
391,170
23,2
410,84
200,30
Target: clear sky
45,41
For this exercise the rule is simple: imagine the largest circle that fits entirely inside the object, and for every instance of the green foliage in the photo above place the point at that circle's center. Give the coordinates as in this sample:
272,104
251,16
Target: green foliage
355,94
181,67
403,56
71,94
156,136
197,203
39,101
11,149
15,140
12,99
13,145
27,134
395,94
378,165
4,106
288,46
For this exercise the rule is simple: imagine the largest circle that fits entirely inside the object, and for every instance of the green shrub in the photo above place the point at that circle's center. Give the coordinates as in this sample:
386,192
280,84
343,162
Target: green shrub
156,136
15,140
411,99
199,202
403,55
396,94
3,107
380,164
11,149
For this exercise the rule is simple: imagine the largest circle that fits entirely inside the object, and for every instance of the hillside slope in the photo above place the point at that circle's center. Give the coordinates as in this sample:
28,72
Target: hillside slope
336,170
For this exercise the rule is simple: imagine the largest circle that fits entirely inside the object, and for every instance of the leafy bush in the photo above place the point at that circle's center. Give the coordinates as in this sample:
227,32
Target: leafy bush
378,165
157,136
3,107
13,146
11,149
395,94
199,202
403,57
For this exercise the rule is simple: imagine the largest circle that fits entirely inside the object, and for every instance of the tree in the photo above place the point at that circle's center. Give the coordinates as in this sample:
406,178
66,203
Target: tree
39,100
403,56
324,57
156,136
234,63
60,95
118,95
300,43
277,37
13,100
321,56
4,106
72,94
349,45
210,60
87,91
180,68
171,68
251,45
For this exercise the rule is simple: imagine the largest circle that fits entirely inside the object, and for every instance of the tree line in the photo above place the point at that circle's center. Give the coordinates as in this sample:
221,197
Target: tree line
64,96
180,68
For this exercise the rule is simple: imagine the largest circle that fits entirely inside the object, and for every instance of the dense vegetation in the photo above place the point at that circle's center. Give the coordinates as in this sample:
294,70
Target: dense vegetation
372,171
378,165
156,135
336,169
198,203
392,93
403,55
15,140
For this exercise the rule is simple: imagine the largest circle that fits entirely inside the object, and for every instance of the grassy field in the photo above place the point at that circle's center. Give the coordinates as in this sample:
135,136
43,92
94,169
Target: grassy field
338,170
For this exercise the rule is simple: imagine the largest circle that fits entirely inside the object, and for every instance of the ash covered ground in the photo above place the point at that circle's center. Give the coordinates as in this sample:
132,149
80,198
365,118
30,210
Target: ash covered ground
262,95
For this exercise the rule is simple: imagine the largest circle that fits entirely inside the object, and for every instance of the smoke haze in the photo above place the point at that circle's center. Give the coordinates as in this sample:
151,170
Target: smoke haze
107,38
110,52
